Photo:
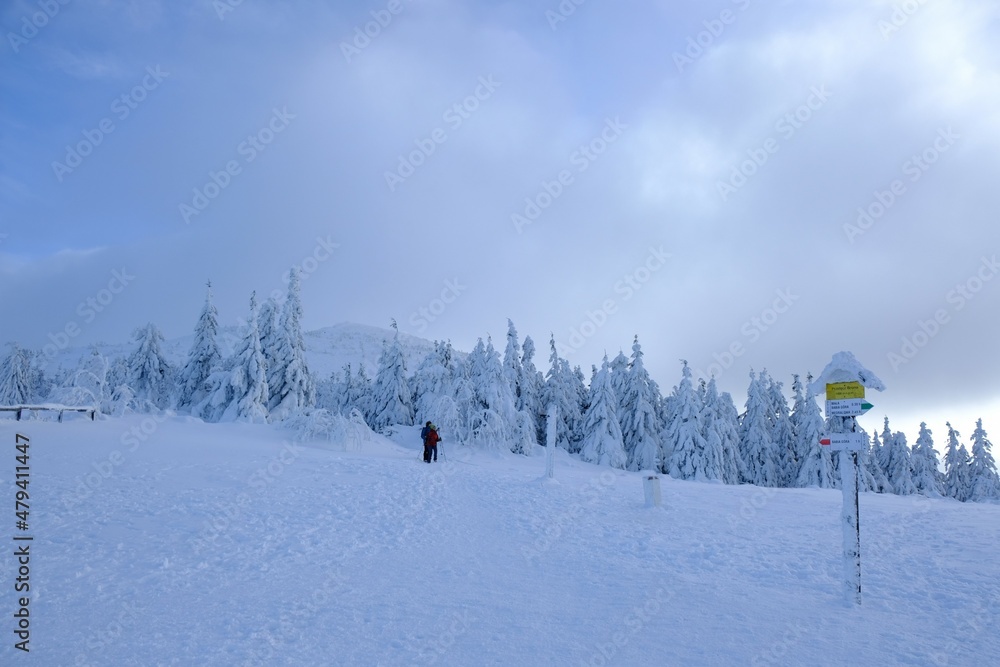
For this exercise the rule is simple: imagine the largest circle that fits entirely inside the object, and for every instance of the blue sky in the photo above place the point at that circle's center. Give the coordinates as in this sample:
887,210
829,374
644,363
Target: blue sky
739,138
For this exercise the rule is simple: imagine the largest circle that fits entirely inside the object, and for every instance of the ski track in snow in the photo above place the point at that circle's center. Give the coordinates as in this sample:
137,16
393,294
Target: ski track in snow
223,545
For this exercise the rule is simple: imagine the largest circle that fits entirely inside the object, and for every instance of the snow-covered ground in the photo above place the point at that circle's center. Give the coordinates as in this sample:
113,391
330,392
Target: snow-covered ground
166,541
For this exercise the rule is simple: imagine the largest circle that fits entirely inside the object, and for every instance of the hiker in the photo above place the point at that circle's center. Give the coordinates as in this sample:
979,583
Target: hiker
431,443
424,431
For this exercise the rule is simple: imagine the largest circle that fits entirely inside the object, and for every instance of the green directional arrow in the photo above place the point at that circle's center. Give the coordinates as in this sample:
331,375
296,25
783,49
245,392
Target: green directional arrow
866,406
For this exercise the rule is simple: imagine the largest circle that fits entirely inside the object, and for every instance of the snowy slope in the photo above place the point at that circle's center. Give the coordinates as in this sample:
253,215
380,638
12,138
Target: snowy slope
175,542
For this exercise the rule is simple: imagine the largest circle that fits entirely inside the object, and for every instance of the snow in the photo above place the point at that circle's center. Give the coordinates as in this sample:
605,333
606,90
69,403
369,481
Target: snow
162,540
844,367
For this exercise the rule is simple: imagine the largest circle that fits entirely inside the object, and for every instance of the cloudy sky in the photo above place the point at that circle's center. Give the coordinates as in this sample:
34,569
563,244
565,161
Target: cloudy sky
743,184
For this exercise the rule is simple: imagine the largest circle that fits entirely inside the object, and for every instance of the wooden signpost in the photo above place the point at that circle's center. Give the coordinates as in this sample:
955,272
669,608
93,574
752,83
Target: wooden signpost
845,381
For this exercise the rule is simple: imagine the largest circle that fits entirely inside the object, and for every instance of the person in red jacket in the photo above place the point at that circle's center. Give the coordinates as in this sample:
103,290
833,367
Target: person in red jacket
431,444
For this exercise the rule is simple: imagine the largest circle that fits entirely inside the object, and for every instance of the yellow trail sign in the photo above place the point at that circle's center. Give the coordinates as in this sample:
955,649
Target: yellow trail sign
840,390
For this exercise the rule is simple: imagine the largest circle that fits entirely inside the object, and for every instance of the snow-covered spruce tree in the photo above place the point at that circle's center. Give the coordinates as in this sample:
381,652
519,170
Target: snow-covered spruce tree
619,369
685,439
293,387
641,432
782,434
756,446
391,395
238,391
433,379
957,482
360,395
491,414
898,468
492,395
204,358
873,476
881,452
522,389
530,400
602,440
267,329
984,483
560,389
87,385
816,467
924,461
720,421
249,377
328,393
16,377
149,374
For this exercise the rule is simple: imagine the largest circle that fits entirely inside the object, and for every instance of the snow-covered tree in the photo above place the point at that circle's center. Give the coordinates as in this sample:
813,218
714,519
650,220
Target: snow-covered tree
16,377
816,463
721,423
150,375
957,476
898,468
560,389
204,358
873,475
984,483
756,446
530,400
433,379
238,391
290,385
493,421
267,329
641,433
602,440
523,388
391,395
782,435
924,461
684,439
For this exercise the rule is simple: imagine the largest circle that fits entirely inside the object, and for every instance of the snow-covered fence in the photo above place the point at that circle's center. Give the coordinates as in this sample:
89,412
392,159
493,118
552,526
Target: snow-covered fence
50,407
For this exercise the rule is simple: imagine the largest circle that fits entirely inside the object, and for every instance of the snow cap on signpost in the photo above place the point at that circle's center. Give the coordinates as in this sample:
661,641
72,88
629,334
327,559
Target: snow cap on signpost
845,368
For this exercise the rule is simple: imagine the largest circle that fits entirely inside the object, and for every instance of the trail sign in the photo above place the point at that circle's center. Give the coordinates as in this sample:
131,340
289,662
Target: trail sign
839,442
847,407
840,390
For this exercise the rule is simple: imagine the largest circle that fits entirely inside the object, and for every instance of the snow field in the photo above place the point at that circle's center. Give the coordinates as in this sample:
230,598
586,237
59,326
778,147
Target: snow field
226,544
